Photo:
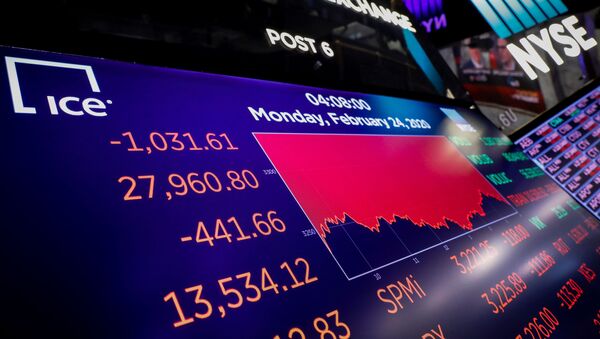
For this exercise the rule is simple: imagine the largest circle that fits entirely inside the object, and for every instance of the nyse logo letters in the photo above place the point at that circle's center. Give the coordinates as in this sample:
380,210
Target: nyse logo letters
69,105
508,17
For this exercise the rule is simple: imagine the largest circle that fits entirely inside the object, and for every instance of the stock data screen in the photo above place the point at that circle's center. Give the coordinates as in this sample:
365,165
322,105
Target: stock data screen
566,147
143,202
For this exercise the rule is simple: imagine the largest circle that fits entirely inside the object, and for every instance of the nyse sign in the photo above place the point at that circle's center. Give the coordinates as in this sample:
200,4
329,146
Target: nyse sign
557,40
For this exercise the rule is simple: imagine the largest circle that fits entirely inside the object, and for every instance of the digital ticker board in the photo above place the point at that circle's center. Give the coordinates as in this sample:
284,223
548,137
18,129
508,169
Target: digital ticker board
566,147
143,202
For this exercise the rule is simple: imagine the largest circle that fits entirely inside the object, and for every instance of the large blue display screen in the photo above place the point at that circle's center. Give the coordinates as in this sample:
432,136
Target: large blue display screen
142,202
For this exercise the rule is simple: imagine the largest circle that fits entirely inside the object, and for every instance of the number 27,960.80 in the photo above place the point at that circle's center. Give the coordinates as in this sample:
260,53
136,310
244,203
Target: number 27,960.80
196,183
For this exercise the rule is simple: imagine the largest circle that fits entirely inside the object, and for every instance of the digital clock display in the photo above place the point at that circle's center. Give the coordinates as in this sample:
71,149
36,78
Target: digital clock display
143,202
337,101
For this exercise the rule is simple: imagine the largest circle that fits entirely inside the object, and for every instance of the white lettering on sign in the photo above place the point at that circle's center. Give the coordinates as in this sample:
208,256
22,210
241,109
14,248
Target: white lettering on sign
377,12
298,43
69,105
563,36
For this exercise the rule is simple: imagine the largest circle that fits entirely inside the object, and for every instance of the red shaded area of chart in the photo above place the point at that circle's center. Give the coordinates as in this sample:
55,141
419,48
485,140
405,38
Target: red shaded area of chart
424,180
376,200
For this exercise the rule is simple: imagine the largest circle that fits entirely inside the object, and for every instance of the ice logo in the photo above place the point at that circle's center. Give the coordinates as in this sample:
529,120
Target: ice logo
70,105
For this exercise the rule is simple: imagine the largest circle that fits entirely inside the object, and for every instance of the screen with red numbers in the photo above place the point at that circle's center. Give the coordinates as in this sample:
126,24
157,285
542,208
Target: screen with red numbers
144,202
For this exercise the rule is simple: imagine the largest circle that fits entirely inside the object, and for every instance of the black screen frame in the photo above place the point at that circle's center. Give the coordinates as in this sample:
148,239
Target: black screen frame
548,114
